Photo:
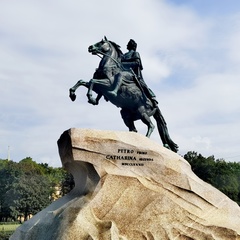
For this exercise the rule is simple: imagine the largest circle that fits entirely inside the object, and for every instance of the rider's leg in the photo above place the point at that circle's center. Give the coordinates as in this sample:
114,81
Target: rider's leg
153,97
154,101
117,83
149,93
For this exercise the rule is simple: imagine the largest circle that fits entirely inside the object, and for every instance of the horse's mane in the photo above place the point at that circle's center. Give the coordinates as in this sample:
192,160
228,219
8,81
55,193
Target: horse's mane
117,47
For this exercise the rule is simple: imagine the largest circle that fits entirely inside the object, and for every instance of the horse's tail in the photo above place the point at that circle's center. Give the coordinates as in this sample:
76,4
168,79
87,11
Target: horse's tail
163,131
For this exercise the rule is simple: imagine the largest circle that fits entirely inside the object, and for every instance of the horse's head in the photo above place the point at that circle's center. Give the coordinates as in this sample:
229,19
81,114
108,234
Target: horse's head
101,47
105,46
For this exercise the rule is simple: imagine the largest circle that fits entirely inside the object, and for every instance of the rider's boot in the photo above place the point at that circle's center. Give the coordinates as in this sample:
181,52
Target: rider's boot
152,96
114,92
154,102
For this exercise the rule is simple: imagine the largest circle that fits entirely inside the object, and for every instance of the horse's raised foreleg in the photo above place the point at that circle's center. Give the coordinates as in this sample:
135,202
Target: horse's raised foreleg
72,90
96,84
95,101
89,92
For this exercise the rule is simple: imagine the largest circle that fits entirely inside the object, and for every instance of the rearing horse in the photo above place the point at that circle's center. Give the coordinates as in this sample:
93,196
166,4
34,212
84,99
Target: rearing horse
130,97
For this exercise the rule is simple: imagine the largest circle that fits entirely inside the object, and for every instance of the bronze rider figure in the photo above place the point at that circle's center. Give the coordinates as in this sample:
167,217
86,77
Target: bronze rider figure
131,61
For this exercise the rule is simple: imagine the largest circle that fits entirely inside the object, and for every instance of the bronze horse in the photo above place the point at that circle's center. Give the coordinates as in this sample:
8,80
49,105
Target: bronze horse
130,97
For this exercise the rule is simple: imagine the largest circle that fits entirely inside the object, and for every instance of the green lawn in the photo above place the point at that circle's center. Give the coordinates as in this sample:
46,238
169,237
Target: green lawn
6,230
8,227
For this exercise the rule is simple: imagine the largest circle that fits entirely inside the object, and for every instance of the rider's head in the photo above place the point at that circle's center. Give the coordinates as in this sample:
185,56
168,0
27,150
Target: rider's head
132,45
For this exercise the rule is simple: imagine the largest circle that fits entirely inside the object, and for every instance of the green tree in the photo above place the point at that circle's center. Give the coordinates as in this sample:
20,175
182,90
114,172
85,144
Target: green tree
67,183
27,187
201,166
9,173
61,180
222,175
29,195
226,179
28,166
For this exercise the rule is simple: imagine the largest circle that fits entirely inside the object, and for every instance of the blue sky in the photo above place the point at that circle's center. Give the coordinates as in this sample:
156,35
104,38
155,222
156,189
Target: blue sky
211,8
190,54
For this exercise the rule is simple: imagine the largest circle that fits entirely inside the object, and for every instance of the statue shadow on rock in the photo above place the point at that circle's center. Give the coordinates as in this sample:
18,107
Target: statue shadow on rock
130,97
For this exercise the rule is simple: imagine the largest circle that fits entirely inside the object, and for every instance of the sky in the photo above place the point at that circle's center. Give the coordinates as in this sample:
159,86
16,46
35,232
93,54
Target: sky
190,53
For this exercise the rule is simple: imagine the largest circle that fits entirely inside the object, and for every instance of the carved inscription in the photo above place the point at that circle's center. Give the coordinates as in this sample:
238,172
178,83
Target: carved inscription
130,157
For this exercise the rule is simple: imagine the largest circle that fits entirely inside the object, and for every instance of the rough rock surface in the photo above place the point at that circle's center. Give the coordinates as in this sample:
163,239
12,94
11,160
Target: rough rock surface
128,187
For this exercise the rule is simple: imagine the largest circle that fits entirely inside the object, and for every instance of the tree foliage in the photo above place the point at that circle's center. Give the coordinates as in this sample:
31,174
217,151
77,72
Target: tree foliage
223,175
27,187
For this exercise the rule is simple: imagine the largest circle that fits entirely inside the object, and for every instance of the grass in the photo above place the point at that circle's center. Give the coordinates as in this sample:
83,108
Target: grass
6,230
8,227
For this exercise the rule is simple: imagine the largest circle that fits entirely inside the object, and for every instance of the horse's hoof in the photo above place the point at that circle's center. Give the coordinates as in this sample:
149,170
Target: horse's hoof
92,101
167,146
73,96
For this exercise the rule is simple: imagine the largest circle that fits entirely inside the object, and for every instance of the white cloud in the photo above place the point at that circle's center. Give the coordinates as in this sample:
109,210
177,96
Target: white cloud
44,52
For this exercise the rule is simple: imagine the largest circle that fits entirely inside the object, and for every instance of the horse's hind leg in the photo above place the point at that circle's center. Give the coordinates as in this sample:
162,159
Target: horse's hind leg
147,120
128,120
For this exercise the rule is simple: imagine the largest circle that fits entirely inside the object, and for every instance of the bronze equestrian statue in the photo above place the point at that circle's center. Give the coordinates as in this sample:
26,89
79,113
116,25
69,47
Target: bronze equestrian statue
118,78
